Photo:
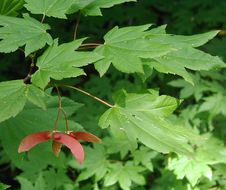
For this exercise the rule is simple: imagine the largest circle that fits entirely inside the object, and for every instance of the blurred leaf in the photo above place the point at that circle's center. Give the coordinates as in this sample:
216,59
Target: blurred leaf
3,186
124,175
216,104
191,169
10,7
95,164
188,89
51,175
144,156
168,181
212,151
27,185
115,145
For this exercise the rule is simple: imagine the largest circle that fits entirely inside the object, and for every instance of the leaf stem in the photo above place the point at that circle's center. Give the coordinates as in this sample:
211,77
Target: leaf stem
76,26
90,45
57,118
90,95
43,18
60,109
65,117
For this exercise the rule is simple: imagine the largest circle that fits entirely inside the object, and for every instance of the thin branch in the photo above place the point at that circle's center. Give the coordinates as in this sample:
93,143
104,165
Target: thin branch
90,95
27,79
76,26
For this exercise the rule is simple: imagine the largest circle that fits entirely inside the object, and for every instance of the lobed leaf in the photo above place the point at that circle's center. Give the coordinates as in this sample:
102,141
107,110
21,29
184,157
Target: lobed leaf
62,61
17,32
92,7
193,59
146,121
137,49
184,167
124,175
51,8
159,34
125,48
13,96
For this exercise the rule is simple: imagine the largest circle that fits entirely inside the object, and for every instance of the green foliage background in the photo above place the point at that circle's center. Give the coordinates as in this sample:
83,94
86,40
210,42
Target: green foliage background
117,163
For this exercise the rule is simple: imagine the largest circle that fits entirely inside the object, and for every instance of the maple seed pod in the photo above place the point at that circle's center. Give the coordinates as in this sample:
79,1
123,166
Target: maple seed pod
69,139
32,140
72,144
56,146
89,137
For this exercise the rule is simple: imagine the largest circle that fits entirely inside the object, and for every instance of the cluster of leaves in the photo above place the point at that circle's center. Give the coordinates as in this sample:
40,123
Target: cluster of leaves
137,128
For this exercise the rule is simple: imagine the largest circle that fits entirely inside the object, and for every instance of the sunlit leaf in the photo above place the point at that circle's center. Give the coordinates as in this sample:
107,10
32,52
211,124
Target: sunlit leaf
13,96
92,7
62,61
17,32
54,8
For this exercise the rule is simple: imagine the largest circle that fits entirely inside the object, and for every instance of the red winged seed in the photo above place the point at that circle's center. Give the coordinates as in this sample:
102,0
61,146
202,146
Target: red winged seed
89,137
72,144
56,146
32,140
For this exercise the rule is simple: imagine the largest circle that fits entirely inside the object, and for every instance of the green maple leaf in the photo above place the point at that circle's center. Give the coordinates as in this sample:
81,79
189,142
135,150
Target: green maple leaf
115,145
212,151
188,89
125,48
92,7
124,175
216,103
51,8
17,32
13,96
159,34
185,55
168,181
209,152
62,61
175,62
10,7
191,169
144,155
96,164
27,185
3,186
145,120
